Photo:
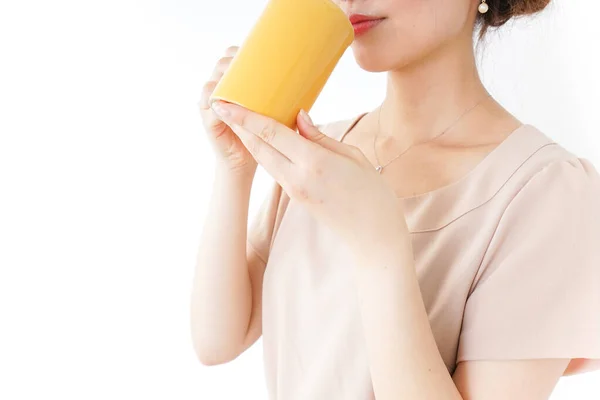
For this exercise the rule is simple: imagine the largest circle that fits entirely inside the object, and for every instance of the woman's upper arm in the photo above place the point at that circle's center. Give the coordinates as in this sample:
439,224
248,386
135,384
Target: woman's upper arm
260,235
509,379
256,270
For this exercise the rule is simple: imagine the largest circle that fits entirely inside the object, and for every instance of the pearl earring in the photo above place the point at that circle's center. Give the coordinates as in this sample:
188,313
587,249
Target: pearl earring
483,7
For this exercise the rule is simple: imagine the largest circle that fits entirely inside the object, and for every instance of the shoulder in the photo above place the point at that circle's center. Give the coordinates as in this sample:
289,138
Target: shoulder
528,173
569,185
554,185
549,215
553,165
568,171
532,159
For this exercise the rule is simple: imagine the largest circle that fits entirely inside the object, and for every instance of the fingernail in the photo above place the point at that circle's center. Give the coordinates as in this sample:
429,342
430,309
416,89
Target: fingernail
220,109
306,117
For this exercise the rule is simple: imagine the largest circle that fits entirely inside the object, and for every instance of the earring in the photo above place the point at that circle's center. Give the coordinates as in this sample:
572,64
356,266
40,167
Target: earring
483,7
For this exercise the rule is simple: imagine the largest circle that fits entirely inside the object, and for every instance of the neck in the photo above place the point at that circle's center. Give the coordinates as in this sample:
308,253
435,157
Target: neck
425,97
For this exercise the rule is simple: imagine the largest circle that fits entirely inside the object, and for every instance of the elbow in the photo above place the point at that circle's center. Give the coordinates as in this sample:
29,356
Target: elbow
214,345
210,355
209,361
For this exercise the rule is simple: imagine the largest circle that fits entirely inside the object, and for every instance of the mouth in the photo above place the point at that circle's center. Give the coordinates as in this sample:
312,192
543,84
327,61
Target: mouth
363,23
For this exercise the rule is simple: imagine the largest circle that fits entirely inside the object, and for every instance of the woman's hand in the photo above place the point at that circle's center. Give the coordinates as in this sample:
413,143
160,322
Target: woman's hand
230,151
334,180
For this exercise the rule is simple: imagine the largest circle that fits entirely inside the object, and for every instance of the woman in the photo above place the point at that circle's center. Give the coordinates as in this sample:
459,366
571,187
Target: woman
434,248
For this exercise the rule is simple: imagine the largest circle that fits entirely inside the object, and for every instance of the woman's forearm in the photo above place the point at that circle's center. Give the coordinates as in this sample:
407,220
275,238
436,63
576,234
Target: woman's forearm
403,356
221,294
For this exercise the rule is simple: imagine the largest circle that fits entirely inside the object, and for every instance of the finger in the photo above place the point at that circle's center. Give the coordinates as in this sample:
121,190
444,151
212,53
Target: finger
275,163
216,75
207,91
231,51
308,130
223,63
212,122
286,141
220,68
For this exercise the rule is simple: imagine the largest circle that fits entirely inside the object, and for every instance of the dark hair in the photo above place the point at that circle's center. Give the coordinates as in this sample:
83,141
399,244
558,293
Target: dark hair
501,11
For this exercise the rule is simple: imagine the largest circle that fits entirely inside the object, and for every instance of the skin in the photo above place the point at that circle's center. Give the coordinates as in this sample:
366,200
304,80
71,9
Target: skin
426,49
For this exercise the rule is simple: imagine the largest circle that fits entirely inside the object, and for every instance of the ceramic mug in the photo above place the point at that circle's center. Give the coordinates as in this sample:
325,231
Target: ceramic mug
286,59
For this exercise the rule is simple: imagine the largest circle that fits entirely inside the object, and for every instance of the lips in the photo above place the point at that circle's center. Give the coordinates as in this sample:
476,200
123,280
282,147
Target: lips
358,18
363,23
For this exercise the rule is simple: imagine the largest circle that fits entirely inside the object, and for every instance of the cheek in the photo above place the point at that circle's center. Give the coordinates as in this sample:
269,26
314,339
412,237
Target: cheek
413,29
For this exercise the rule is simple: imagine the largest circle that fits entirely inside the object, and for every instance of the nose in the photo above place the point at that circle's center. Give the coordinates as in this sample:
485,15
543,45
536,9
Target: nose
344,4
347,5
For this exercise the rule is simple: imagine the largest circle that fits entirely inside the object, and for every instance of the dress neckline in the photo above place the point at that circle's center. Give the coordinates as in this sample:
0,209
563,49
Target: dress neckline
481,165
433,209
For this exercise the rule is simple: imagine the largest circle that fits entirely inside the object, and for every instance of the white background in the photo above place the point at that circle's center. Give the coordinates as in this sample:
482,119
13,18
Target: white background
105,172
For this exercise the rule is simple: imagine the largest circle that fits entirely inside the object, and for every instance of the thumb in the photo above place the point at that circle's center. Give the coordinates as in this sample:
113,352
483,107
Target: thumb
307,129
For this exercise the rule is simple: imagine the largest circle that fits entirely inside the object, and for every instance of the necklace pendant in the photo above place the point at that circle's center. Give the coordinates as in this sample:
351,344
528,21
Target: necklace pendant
379,168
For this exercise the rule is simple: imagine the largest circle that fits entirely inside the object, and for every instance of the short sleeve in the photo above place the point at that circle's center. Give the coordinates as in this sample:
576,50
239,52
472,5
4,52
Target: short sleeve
537,293
265,222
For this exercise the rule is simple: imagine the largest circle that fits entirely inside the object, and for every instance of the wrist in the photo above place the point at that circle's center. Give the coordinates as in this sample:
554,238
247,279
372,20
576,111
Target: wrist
242,174
385,246
234,182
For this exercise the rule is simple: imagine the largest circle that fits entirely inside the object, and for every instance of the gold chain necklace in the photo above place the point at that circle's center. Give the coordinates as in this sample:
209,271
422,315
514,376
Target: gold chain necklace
380,167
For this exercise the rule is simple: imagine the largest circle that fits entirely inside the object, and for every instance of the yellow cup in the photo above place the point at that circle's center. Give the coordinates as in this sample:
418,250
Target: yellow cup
286,59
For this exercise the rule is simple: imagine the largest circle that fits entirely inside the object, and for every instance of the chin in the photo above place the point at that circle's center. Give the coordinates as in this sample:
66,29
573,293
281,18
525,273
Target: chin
378,59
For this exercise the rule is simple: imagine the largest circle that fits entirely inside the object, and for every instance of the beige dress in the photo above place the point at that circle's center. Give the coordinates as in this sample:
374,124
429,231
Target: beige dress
508,261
